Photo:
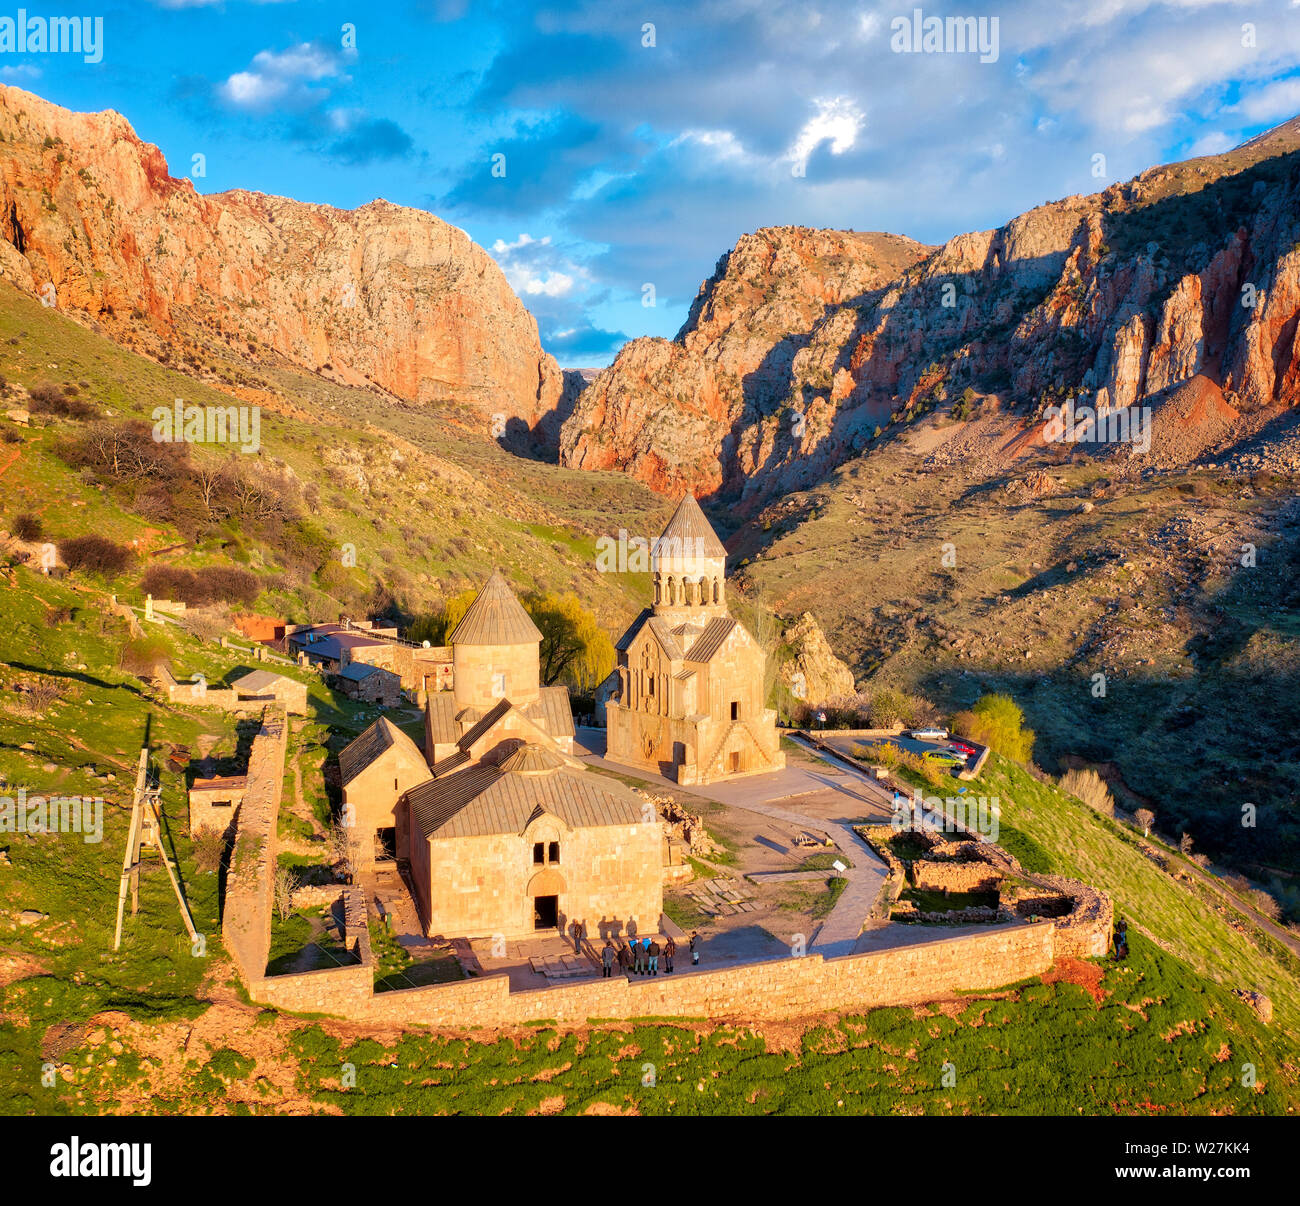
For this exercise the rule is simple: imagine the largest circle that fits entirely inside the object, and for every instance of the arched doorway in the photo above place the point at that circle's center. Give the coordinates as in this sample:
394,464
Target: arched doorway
545,889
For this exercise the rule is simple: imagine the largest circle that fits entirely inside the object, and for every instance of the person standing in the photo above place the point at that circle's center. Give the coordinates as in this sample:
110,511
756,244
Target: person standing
607,960
636,955
695,947
670,949
623,958
653,952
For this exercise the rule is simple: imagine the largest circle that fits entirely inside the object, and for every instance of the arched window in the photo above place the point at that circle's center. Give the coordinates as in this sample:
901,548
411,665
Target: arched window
672,593
658,588
716,595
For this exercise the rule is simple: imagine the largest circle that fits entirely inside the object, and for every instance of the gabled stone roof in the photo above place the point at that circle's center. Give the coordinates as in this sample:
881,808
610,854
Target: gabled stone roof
370,745
711,639
689,526
485,799
552,712
496,617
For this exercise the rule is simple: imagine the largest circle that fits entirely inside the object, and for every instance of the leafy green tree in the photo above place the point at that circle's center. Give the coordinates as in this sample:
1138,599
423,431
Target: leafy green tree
998,722
574,645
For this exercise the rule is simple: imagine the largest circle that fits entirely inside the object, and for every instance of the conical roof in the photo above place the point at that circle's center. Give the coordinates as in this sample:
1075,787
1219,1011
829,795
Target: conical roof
496,617
532,759
689,533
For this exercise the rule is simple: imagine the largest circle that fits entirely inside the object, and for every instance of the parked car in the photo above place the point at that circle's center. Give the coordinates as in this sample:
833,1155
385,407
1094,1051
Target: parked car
927,734
944,758
961,747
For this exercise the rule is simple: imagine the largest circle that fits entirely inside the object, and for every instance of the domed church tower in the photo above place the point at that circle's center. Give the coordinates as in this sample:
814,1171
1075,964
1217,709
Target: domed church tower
494,651
689,702
689,566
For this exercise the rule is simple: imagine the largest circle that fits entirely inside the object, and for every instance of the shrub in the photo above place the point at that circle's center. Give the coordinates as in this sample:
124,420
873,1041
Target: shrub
212,584
49,399
28,526
209,849
95,554
1090,787
143,654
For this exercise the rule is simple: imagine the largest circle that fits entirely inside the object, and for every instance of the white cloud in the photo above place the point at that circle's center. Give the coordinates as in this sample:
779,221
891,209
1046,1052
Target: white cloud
1274,102
531,268
836,121
274,78
23,71
1214,143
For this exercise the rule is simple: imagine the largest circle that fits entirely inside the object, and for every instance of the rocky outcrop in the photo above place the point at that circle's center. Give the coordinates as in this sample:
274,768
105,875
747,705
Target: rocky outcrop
666,409
813,673
379,295
1189,271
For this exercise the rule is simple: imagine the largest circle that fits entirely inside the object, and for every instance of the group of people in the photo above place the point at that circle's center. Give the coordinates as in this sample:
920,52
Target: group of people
641,956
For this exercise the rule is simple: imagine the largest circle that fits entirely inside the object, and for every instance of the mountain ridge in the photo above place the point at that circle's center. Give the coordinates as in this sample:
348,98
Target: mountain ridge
1132,290
381,295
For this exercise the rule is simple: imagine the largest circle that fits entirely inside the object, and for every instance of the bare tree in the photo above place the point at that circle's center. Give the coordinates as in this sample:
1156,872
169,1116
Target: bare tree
213,477
1146,818
284,884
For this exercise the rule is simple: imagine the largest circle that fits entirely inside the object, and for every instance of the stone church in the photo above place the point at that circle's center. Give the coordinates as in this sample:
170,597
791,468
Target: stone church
500,830
689,700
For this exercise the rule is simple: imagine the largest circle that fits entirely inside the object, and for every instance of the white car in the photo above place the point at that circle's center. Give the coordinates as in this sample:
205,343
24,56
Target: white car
927,734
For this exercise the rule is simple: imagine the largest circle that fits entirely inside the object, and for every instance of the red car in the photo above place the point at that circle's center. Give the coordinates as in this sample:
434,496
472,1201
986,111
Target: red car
962,747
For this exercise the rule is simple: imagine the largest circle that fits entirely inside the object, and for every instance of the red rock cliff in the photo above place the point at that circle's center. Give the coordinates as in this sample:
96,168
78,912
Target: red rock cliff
379,294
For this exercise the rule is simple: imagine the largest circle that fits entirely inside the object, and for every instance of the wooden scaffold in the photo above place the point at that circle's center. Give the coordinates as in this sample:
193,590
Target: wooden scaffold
146,830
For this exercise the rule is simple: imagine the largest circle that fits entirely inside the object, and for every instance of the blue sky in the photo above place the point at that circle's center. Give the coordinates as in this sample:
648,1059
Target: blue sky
641,139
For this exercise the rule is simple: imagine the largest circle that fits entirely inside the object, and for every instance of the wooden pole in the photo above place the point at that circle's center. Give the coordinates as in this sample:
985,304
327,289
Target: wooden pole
131,860
171,871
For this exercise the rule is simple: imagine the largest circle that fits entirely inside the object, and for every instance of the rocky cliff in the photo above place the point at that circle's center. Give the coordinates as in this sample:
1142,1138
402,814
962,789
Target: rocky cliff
675,413
382,294
812,673
805,345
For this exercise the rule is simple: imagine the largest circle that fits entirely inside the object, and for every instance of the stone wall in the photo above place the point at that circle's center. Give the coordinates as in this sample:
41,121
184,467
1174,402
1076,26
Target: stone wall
246,915
771,990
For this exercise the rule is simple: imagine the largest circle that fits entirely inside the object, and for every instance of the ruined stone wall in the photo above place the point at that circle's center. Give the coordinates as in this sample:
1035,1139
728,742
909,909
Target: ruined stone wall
246,916
954,876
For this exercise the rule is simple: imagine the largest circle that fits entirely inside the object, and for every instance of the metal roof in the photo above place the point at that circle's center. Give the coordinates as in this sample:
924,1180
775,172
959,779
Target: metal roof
259,680
496,617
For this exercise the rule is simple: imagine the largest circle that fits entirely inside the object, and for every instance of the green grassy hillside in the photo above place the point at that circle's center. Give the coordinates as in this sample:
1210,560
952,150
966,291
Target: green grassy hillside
428,504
